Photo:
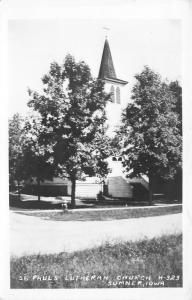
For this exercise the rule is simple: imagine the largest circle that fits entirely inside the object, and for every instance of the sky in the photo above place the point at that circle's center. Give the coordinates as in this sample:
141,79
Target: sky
34,43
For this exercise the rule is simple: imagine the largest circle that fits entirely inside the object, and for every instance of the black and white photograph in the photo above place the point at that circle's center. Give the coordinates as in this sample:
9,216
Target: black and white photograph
95,153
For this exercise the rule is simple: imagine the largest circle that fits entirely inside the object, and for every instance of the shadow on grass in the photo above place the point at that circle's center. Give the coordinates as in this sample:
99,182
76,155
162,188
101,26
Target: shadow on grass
115,202
31,202
15,202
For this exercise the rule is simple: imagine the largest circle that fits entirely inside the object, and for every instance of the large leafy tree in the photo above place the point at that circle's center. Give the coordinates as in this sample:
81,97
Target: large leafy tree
176,89
28,157
15,151
150,135
36,164
72,109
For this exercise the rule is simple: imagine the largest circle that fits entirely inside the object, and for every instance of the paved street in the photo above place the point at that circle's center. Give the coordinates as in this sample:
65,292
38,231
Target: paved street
33,235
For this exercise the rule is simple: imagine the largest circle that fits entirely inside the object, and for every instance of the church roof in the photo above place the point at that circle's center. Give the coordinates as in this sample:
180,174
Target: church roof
107,70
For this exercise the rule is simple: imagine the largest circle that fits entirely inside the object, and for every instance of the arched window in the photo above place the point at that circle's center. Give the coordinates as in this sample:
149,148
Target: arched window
118,95
112,91
120,159
114,158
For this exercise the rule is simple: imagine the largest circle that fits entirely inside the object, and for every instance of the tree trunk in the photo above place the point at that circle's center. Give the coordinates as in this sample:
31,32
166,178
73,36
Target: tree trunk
38,189
73,187
150,191
19,191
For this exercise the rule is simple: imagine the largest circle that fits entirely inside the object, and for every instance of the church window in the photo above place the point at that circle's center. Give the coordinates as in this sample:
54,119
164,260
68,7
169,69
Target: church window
114,158
120,159
112,91
118,95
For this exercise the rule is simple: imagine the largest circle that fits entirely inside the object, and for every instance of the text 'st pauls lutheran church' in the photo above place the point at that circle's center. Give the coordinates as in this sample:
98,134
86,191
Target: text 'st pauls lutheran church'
117,185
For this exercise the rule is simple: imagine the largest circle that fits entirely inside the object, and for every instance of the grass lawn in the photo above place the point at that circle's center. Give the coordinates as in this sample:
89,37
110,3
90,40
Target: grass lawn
30,202
146,263
104,215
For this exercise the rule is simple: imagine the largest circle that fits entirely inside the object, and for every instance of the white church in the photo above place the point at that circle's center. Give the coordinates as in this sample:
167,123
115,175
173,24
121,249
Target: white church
117,185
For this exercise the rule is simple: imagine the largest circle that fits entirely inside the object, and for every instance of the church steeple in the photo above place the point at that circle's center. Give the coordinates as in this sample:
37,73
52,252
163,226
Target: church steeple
107,69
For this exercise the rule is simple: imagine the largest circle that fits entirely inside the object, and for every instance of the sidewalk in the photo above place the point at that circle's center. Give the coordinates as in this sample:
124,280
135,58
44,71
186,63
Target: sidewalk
97,209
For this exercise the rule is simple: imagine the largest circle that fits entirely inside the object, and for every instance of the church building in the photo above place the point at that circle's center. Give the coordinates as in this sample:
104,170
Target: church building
116,185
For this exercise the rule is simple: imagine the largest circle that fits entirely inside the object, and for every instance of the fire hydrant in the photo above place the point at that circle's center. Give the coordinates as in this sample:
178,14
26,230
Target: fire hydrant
65,206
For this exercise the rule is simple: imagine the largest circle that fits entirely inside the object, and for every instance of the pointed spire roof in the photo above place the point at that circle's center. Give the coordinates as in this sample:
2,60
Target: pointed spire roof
107,70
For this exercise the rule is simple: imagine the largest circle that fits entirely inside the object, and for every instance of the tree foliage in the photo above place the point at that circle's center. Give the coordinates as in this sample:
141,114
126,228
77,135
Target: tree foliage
72,110
15,150
36,163
28,157
150,135
176,89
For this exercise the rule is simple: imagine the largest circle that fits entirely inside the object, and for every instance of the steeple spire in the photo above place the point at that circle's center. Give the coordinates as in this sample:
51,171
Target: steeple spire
107,69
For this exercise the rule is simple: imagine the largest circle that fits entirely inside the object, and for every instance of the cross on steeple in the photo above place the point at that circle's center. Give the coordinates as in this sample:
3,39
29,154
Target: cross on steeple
106,31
